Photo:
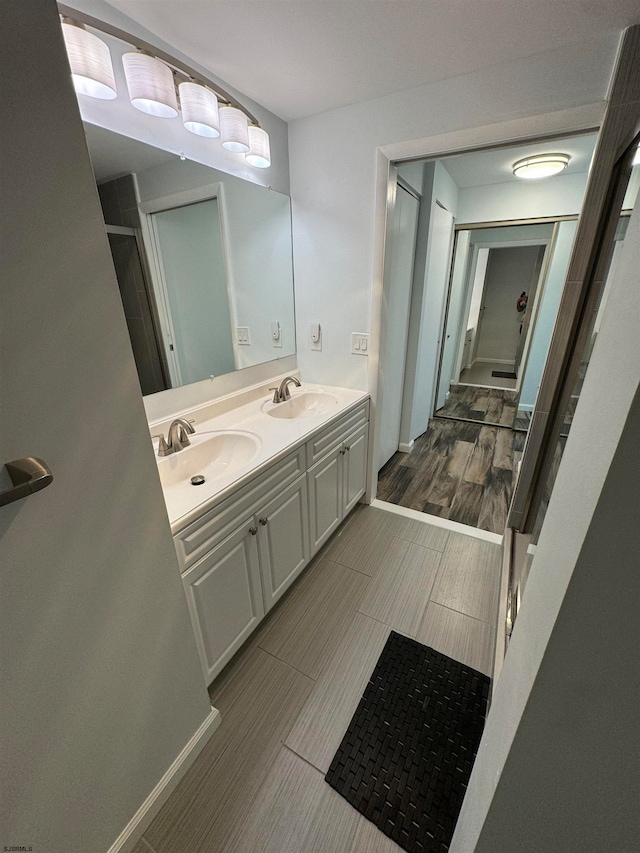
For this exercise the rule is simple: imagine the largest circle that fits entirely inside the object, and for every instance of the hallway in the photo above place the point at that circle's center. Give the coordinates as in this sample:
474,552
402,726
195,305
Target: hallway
461,471
288,696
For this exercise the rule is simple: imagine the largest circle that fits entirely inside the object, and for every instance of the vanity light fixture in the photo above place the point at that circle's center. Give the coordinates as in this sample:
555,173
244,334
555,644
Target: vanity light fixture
234,130
259,152
540,166
152,75
90,61
199,110
150,84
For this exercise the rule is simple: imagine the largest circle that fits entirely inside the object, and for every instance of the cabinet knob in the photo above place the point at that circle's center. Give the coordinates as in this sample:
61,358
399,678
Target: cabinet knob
342,452
347,447
263,521
253,530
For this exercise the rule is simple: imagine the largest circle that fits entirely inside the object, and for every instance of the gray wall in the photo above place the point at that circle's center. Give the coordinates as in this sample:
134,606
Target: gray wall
102,687
556,768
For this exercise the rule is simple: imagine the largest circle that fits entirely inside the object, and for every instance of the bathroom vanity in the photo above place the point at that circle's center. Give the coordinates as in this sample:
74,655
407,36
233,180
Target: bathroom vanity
278,480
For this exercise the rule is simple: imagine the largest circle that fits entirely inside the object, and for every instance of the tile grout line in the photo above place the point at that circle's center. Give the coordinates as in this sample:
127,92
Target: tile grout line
386,624
302,758
294,668
461,612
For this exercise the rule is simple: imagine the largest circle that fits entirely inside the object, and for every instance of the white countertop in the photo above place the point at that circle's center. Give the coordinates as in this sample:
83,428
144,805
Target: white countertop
277,437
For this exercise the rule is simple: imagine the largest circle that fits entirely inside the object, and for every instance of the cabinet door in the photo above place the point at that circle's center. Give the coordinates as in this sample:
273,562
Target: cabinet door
283,539
355,468
325,498
225,598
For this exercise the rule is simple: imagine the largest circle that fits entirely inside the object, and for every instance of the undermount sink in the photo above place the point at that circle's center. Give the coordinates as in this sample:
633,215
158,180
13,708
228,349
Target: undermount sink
211,455
303,404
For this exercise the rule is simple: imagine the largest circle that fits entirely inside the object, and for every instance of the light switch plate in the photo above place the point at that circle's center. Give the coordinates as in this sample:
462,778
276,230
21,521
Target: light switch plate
243,338
360,343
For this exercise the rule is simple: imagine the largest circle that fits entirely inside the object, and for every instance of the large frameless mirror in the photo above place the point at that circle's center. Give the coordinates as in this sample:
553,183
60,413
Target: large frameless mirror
203,261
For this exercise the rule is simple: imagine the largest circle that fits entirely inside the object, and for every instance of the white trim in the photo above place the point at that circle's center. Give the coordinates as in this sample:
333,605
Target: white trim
406,448
134,830
181,199
490,387
494,361
500,643
436,521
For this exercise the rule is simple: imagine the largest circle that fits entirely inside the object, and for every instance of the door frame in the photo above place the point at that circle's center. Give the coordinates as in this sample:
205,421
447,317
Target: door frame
147,210
549,244
584,119
384,344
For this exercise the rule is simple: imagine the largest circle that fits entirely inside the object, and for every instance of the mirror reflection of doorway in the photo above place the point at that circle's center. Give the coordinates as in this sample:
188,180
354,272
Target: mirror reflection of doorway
491,322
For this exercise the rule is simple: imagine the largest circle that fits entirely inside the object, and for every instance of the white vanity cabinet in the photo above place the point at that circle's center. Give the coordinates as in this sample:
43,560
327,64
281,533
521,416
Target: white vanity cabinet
338,479
283,540
224,594
241,555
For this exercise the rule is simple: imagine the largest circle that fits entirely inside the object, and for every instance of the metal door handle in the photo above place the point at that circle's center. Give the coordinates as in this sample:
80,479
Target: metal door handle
28,475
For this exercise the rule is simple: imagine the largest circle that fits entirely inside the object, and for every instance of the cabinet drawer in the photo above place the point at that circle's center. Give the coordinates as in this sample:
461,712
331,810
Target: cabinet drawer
198,538
331,437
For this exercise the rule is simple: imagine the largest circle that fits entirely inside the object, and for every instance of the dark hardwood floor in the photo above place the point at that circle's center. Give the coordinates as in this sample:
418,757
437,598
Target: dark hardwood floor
497,406
461,471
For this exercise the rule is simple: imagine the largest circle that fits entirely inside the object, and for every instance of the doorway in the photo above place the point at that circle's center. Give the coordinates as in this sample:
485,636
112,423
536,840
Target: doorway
480,320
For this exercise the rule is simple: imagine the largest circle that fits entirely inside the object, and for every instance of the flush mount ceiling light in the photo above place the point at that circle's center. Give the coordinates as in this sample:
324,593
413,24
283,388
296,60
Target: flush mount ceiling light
199,110
540,166
90,61
150,84
259,154
152,75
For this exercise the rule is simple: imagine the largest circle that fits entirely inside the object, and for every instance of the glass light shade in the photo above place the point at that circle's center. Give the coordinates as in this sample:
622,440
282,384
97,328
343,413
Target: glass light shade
234,130
150,84
540,166
259,152
199,110
90,61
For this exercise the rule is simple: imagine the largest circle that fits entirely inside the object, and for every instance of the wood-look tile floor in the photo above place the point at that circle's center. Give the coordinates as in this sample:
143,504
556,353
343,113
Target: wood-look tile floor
288,696
494,406
461,471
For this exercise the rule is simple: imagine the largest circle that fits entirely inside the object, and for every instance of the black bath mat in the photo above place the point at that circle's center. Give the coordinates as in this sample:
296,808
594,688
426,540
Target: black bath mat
406,758
503,374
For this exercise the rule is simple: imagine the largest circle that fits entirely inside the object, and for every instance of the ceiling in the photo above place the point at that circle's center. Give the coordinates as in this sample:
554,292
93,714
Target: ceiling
302,57
494,166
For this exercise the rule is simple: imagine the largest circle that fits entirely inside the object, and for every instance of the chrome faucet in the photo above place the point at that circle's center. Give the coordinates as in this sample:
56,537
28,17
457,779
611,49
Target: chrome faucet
179,433
178,437
281,394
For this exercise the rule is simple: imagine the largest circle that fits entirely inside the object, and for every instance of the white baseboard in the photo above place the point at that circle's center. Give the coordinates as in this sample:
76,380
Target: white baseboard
406,448
494,361
134,830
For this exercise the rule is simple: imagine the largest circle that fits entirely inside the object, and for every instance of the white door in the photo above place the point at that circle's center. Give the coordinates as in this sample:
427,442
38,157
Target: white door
397,299
455,316
436,288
